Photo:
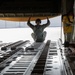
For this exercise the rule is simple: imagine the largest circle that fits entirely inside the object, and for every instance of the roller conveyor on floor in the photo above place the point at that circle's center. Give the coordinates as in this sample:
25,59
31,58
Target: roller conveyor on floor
19,45
15,47
11,45
25,62
38,58
10,55
39,67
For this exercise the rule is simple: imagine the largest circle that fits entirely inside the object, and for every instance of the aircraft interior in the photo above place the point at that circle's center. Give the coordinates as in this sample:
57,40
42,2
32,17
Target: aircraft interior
23,57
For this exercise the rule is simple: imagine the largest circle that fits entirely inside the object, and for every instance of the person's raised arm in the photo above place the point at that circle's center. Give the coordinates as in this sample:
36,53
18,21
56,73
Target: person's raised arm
29,24
47,24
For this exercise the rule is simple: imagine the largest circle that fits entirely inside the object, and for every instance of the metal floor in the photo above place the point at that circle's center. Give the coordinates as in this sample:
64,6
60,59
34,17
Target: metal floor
23,61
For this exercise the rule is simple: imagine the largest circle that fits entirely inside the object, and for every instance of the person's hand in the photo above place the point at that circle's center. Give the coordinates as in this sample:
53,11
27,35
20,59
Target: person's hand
29,18
47,18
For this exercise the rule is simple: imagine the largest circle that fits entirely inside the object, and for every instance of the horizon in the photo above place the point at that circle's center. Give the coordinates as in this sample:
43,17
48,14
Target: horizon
55,22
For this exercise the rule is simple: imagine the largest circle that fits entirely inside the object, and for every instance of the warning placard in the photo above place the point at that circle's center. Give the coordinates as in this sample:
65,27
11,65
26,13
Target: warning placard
68,29
67,26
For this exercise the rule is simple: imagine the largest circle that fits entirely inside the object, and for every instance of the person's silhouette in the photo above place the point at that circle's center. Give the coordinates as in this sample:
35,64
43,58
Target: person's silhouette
39,33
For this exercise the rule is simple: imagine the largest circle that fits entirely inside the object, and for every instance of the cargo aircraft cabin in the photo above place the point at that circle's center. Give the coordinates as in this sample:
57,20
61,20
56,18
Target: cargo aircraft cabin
24,57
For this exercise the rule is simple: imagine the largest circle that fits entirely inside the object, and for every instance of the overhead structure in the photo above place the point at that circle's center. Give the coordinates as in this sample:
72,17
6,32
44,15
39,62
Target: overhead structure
22,9
30,6
22,17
